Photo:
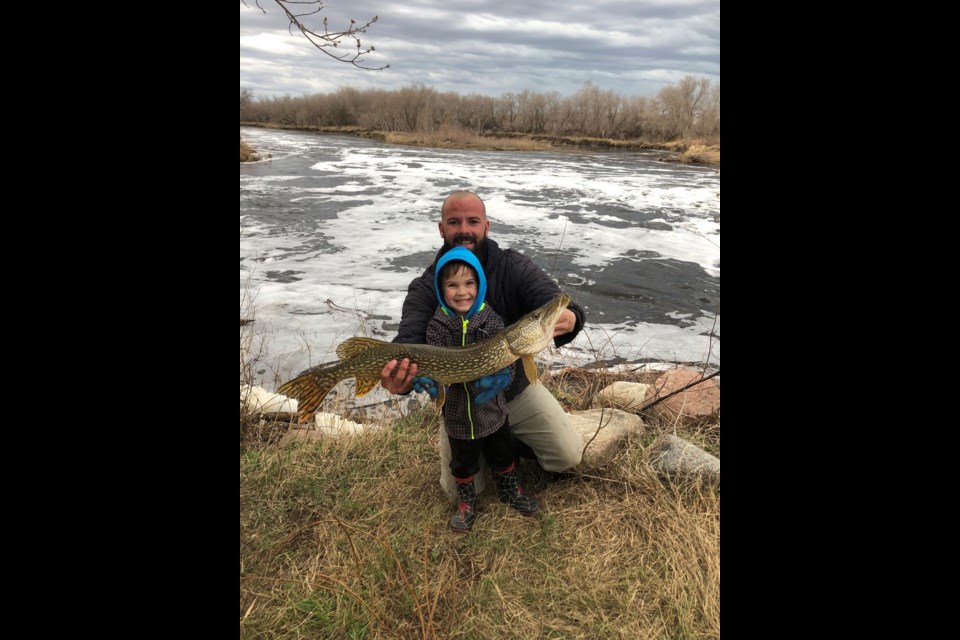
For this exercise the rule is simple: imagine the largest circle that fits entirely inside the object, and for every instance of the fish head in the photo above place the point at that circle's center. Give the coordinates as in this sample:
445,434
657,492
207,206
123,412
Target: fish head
533,333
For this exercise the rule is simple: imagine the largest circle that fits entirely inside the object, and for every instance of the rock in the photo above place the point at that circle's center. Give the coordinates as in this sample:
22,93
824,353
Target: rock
259,400
334,425
328,425
614,427
622,395
697,404
672,457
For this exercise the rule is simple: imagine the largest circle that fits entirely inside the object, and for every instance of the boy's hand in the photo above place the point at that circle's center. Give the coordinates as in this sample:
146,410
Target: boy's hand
423,383
492,385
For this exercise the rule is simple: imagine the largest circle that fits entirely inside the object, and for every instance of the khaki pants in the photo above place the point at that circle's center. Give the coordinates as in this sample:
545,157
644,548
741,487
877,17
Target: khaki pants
536,418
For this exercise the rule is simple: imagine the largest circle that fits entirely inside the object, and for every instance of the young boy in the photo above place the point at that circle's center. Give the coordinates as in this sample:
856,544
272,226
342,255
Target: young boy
463,318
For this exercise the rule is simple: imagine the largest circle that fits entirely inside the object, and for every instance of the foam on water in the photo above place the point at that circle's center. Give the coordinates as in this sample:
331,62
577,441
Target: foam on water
334,228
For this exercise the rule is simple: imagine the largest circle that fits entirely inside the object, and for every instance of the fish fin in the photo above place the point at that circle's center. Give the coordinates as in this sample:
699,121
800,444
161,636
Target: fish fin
530,368
355,346
441,396
311,387
364,385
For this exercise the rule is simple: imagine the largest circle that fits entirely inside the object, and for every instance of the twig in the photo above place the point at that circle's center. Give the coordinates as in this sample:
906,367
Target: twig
600,427
556,256
587,475
710,342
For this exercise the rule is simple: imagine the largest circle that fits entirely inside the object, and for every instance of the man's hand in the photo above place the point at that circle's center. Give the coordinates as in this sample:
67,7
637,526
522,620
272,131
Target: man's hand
492,385
565,324
398,378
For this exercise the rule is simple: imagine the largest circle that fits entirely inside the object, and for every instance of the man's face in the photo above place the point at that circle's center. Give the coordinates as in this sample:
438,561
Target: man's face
464,223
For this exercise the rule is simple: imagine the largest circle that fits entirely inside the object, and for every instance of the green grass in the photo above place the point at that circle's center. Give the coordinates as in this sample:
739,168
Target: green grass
348,538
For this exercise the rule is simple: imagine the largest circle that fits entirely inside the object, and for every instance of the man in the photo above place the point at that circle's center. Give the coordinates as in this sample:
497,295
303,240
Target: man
515,286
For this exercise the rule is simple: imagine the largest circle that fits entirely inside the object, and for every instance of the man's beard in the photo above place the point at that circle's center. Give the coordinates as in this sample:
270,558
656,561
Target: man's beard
480,244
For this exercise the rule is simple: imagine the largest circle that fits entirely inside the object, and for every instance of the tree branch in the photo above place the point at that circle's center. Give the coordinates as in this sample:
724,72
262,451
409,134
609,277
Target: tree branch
328,40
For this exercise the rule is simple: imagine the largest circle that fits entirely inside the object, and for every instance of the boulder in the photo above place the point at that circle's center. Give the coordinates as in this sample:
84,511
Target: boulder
611,427
327,425
259,400
622,395
675,458
697,404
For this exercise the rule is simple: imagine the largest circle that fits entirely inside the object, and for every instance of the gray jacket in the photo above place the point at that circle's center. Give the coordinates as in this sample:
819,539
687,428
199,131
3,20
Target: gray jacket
466,420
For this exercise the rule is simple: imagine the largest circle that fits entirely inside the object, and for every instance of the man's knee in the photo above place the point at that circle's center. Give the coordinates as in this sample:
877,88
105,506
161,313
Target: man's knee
569,453
547,429
572,458
558,447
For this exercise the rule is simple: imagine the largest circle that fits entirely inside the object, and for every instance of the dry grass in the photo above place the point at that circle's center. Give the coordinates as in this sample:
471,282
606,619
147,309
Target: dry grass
348,538
247,153
701,154
698,151
454,138
255,430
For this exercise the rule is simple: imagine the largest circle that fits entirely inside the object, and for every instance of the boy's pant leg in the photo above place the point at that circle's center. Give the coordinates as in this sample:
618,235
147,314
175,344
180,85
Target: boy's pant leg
447,482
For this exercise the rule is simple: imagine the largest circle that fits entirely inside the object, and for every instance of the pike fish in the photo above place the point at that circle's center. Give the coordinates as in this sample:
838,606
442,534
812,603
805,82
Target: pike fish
364,359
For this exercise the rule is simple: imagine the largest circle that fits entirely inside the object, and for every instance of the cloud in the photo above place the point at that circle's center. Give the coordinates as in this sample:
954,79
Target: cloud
490,48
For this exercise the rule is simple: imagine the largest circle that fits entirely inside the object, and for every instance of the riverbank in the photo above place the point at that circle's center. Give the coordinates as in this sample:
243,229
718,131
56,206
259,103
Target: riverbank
247,154
694,151
348,537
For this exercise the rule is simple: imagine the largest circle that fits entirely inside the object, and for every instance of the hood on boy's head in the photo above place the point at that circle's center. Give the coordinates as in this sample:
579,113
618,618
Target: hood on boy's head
463,255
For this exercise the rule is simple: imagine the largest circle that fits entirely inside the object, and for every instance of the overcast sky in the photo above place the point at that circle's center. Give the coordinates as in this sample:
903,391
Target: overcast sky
633,47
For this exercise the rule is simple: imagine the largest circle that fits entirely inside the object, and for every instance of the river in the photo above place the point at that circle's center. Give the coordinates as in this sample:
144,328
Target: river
333,228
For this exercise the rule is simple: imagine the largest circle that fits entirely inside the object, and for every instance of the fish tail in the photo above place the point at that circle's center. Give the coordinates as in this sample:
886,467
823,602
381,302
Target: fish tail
312,386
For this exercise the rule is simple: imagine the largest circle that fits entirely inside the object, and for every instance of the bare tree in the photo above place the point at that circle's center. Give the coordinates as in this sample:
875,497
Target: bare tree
685,110
377,110
508,108
636,117
474,112
246,97
679,105
532,111
709,118
328,41
412,107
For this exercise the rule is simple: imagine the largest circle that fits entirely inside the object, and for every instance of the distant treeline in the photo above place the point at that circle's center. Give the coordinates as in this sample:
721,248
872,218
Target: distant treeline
688,109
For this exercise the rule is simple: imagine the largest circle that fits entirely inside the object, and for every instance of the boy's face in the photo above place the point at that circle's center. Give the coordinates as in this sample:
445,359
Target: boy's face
460,290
